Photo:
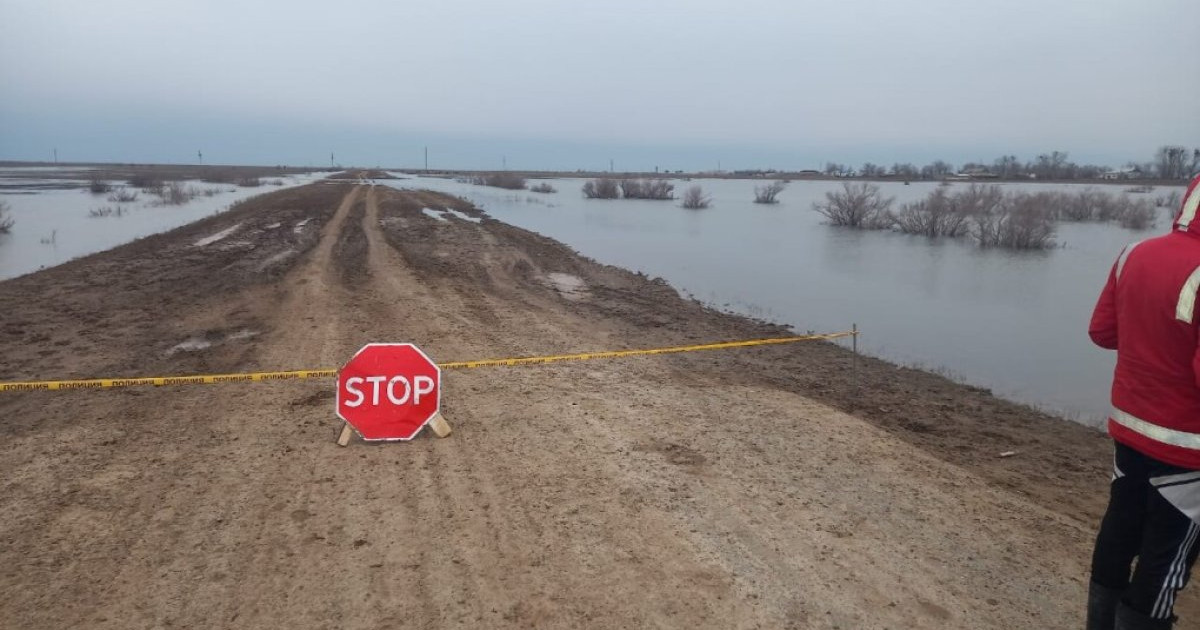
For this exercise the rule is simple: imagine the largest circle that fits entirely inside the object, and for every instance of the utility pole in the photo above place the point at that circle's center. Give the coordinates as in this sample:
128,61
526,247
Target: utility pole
504,162
200,157
610,165
331,166
56,155
427,159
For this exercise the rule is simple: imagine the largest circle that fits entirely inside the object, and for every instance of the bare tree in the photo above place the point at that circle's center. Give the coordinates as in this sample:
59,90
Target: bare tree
936,170
858,206
769,192
833,168
872,170
1007,166
6,222
1172,162
602,188
905,171
695,199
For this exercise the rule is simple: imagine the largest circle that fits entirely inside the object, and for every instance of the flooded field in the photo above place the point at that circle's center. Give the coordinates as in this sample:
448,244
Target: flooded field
1015,322
57,219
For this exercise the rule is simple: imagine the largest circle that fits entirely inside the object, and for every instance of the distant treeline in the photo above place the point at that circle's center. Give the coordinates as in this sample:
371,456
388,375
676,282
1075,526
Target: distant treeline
1170,162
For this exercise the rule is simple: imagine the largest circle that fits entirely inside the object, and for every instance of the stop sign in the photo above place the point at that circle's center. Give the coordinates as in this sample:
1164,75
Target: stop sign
388,391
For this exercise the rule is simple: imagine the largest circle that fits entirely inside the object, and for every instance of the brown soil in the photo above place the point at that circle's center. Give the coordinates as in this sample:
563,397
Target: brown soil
766,487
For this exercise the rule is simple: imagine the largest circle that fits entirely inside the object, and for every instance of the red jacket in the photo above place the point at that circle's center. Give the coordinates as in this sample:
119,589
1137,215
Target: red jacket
1148,314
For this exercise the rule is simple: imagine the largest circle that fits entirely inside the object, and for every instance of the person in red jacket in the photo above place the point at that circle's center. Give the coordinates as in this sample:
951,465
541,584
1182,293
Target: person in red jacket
1147,312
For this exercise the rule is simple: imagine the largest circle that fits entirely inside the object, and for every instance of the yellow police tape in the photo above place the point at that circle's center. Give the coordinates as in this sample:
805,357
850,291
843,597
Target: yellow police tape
208,379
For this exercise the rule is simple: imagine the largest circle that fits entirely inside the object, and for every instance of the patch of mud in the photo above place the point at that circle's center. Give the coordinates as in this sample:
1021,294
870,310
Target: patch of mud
209,240
350,250
569,286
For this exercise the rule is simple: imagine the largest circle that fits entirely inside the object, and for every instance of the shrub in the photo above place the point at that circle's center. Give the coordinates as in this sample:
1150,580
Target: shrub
631,188
248,182
542,188
946,214
121,195
1171,201
769,192
1022,221
143,181
858,206
659,189
175,193
507,181
6,222
106,211
695,199
98,186
1139,216
601,189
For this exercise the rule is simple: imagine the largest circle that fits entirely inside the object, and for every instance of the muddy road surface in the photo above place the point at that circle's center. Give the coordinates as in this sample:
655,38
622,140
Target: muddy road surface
751,488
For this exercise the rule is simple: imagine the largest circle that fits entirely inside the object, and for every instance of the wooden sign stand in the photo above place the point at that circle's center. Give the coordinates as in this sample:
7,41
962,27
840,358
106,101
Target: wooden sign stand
438,425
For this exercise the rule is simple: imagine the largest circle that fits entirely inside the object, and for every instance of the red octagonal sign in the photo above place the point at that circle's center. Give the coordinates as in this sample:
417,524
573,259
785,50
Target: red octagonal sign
388,391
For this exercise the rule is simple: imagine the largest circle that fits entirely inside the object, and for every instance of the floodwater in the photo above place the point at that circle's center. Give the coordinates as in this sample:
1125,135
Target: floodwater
1014,322
52,224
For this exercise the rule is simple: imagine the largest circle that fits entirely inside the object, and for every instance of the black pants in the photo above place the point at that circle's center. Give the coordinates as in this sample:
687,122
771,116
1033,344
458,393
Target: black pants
1141,523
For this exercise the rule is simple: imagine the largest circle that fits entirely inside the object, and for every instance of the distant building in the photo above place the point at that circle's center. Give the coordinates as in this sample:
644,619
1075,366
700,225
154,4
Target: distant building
1128,173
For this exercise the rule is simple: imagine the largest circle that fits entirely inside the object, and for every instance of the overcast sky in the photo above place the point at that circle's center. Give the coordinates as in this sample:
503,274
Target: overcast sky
566,85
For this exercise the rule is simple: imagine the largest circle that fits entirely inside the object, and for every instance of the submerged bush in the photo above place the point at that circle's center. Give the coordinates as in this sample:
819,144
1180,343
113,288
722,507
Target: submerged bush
106,211
98,186
601,189
694,198
943,213
542,188
175,193
122,195
6,222
1021,221
659,189
858,206
508,181
769,192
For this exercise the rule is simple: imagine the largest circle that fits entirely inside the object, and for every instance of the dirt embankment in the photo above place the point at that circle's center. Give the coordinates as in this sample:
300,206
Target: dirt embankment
768,487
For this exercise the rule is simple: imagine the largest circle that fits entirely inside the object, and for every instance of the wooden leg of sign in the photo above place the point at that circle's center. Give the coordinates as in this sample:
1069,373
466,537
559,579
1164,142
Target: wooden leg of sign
347,433
440,427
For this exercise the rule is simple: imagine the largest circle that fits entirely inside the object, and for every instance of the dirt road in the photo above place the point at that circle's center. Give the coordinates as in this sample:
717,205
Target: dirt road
748,489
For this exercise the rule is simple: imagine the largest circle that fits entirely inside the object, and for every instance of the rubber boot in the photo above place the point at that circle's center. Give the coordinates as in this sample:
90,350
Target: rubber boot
1102,607
1130,619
